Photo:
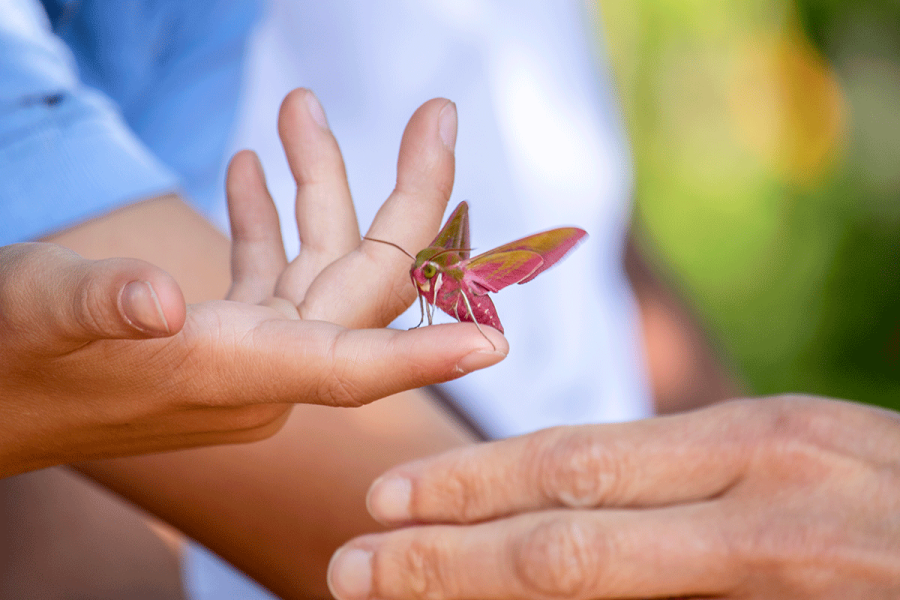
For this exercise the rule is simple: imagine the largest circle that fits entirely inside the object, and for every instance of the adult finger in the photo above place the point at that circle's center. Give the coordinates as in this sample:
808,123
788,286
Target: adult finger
257,250
653,462
371,287
48,294
569,555
326,218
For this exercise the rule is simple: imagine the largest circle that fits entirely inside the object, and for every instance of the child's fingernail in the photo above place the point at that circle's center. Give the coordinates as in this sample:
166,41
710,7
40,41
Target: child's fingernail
479,359
447,125
315,110
141,308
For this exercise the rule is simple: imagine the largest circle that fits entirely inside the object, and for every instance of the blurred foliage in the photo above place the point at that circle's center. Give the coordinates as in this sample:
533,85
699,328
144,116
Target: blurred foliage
766,137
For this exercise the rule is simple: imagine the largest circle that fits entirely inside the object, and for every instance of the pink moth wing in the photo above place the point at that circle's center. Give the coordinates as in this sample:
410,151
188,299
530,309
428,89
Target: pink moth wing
516,262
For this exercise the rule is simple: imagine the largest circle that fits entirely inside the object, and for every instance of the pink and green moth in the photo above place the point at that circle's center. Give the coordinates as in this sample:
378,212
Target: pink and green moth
446,276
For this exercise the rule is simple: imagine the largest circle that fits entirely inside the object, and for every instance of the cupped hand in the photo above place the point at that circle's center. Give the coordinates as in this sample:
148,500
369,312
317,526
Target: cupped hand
102,358
785,497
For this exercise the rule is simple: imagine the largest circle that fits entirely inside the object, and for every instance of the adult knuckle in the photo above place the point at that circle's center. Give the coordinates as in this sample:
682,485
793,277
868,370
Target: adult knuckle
579,470
792,434
561,559
788,417
459,494
761,429
424,573
770,545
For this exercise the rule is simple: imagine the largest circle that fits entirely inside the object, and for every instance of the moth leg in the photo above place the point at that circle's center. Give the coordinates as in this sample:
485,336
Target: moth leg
421,313
474,320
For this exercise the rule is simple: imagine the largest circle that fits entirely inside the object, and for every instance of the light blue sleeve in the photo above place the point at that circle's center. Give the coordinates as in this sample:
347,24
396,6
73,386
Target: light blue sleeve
66,154
173,68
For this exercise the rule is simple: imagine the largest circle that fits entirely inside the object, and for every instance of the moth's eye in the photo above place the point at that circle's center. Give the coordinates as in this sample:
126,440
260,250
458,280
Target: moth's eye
429,270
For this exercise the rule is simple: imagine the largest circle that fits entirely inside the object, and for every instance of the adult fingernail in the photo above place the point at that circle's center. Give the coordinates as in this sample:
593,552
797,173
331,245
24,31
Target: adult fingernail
388,499
350,574
479,359
141,308
316,111
447,125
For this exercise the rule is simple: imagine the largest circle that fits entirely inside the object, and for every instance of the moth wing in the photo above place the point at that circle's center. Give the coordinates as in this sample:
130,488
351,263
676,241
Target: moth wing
483,309
551,246
455,232
494,270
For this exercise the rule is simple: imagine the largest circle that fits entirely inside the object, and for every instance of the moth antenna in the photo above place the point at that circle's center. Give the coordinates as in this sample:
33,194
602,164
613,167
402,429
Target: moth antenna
365,237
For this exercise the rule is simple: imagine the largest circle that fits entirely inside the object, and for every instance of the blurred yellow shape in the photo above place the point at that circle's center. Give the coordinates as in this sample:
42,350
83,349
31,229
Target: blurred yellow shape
787,106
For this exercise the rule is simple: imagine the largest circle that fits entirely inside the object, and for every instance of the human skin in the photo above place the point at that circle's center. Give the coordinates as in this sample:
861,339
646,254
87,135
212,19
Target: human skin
312,476
62,537
78,382
221,372
784,497
279,508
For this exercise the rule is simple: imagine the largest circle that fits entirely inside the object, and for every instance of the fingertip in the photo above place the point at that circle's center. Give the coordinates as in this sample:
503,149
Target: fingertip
244,169
312,152
435,120
447,124
497,340
426,163
389,499
430,107
299,106
315,110
469,347
171,301
245,187
350,573
480,359
492,347
440,353
154,306
141,308
119,298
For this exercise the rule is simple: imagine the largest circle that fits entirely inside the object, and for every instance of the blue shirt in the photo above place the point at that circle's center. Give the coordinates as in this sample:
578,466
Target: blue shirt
103,102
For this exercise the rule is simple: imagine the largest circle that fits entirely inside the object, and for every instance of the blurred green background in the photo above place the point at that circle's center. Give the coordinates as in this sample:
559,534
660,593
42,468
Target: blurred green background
766,139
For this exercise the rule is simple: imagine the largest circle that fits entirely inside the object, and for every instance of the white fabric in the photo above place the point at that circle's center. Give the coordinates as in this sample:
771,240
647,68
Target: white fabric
540,145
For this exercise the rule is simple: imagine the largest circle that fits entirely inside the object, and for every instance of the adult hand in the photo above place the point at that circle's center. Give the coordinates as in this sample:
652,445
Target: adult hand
78,381
787,497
